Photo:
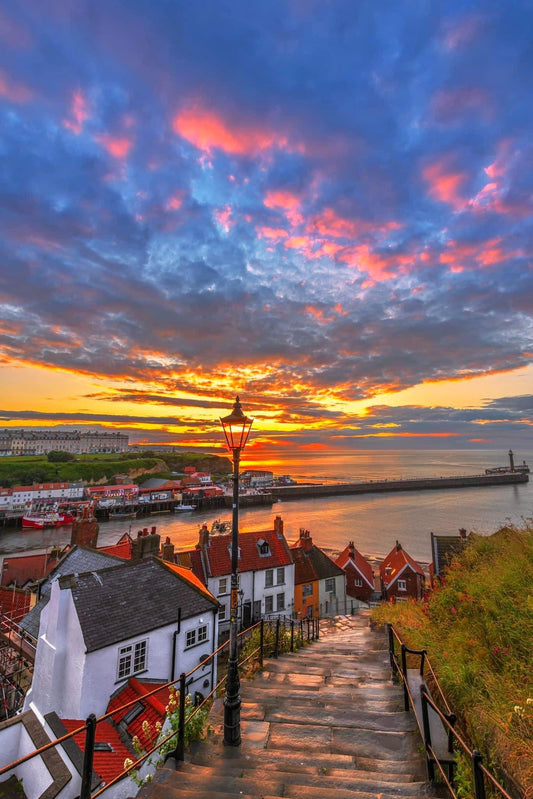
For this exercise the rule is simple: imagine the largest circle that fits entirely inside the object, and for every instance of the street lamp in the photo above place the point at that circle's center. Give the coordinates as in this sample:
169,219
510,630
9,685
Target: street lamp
236,428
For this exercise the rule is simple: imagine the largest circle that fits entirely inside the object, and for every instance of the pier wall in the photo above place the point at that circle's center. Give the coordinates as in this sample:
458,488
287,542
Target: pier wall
382,486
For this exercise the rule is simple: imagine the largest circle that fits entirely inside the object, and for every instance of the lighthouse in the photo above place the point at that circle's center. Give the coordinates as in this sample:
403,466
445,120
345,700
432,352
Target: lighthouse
511,461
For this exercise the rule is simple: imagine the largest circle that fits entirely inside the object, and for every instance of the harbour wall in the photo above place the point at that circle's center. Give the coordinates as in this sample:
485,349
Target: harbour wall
411,484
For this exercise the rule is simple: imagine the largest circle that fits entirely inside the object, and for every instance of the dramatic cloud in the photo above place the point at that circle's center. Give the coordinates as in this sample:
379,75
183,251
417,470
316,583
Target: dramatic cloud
311,209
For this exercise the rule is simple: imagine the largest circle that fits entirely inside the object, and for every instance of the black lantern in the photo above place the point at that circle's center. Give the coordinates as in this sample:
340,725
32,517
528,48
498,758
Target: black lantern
236,427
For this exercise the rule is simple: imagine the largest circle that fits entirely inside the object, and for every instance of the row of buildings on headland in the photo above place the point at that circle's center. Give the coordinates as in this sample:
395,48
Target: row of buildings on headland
33,441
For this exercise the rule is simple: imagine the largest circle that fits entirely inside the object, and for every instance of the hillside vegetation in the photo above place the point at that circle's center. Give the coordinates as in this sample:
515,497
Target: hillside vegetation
478,631
28,469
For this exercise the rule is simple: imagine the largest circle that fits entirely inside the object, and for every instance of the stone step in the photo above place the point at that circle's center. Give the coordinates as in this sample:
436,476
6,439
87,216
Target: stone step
332,717
245,781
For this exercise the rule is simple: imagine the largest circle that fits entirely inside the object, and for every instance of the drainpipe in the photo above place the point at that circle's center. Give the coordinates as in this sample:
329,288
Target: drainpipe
174,638
215,644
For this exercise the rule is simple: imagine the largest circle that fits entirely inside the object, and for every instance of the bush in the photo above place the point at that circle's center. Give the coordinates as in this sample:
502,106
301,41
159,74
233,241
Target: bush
59,456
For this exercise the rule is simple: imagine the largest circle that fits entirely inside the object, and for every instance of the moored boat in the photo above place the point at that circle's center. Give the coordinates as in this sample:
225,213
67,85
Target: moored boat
183,508
40,519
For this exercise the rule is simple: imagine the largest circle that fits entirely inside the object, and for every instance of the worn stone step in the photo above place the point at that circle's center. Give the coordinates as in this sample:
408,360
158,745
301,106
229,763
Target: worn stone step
334,717
243,781
328,701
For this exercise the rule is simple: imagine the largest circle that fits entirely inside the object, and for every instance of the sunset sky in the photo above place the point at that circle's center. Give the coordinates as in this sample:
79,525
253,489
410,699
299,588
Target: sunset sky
324,207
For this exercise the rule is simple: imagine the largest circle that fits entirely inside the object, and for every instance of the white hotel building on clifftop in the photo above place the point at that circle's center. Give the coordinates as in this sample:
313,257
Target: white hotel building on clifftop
39,442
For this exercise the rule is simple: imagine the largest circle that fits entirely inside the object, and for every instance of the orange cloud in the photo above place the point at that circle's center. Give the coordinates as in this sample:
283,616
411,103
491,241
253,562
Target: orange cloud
207,131
318,314
116,146
330,224
378,266
445,185
16,92
296,242
79,113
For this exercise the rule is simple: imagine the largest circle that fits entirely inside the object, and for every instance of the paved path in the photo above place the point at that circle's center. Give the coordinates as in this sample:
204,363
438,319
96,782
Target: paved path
326,721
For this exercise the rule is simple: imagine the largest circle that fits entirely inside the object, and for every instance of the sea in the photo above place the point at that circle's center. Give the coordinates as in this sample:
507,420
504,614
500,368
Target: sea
373,522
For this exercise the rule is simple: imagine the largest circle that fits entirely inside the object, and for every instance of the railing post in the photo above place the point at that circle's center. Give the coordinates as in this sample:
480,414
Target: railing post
317,628
427,733
391,653
292,635
178,754
404,672
86,777
301,632
276,649
261,642
308,636
479,779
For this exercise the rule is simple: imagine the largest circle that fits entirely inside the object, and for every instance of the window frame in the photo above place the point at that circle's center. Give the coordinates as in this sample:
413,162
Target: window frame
280,572
132,659
402,585
269,578
269,600
330,581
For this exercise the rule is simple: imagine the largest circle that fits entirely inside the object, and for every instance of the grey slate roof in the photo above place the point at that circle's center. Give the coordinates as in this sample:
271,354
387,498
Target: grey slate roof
443,549
76,560
133,599
323,565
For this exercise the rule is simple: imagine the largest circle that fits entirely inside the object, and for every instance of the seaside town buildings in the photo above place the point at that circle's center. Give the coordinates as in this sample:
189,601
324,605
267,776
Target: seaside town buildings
320,585
359,573
78,442
401,576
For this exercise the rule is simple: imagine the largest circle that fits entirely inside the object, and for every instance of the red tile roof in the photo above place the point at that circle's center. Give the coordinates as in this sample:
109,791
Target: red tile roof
303,567
217,555
397,560
154,709
351,555
122,549
106,764
25,569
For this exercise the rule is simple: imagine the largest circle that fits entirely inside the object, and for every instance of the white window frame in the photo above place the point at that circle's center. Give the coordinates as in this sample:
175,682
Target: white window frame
280,602
280,575
358,582
132,659
330,586
202,633
190,639
402,585
307,589
222,612
269,600
223,585
269,578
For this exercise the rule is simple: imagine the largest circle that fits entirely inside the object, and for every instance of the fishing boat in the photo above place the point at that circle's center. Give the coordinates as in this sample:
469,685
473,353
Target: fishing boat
120,514
181,508
49,518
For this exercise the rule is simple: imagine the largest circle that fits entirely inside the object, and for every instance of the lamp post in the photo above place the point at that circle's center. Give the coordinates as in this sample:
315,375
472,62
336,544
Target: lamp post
236,428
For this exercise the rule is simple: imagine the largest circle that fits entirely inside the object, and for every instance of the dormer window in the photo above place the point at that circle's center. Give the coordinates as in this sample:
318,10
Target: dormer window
263,548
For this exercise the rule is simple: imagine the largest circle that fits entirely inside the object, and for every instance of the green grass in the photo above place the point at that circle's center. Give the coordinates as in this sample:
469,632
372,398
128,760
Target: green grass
478,631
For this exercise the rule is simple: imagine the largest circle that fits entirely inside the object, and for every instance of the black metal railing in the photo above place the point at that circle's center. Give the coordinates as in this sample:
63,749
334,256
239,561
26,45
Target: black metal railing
274,637
434,760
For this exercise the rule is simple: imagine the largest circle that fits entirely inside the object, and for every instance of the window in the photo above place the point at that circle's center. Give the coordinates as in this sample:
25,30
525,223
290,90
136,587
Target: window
202,634
281,575
307,589
223,586
222,613
269,578
132,659
402,585
190,638
358,583
280,601
330,585
269,604
263,547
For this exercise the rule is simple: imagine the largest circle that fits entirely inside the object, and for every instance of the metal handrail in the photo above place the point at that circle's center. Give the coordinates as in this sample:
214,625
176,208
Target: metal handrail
91,722
480,772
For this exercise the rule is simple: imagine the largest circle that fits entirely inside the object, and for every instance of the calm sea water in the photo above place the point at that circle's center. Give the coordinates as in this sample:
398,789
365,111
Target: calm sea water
373,522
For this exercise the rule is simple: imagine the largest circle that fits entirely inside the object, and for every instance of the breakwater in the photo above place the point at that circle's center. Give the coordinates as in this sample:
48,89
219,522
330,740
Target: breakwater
410,484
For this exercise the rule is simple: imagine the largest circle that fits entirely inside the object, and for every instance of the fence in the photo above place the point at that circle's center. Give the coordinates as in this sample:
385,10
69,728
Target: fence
436,724
274,637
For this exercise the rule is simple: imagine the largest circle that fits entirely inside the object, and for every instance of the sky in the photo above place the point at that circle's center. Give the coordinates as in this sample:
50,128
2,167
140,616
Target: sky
322,206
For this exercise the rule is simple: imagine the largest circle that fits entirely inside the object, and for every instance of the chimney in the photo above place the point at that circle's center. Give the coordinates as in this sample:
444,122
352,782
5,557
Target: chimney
167,550
462,533
203,537
351,550
306,542
146,544
398,546
278,526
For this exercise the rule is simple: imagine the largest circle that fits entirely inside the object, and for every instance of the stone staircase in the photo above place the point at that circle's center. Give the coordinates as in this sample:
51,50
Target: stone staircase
326,721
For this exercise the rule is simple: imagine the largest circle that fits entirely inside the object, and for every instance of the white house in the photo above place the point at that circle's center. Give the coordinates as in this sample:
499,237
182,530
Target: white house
266,572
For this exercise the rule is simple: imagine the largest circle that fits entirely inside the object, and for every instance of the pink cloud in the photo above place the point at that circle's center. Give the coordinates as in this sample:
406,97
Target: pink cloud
117,146
271,233
174,202
445,184
460,33
14,91
208,130
329,223
288,202
79,113
223,217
